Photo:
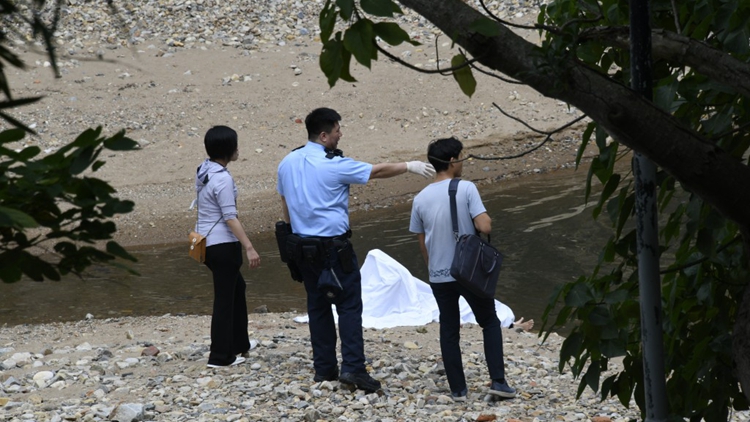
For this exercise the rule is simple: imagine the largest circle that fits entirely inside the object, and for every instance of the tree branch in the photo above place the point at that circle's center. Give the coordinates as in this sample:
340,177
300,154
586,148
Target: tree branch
419,69
697,163
683,51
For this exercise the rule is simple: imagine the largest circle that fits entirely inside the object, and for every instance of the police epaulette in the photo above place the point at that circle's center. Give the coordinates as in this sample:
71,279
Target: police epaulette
334,153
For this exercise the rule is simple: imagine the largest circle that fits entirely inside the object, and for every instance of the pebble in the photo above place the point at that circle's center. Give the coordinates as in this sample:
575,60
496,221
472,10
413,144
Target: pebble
87,27
112,380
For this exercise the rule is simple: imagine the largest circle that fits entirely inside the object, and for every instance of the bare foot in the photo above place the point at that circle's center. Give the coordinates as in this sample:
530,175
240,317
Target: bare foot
524,325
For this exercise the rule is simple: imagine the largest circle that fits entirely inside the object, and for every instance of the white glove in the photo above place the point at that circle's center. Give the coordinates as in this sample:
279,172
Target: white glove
420,168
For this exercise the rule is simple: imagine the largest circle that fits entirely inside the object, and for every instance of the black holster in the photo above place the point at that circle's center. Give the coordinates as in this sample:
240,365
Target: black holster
316,251
283,231
345,251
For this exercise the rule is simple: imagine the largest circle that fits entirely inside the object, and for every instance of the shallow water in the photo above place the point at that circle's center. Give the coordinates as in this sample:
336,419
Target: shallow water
540,223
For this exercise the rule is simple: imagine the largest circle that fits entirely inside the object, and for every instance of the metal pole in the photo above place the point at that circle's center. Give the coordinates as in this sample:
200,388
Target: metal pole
647,230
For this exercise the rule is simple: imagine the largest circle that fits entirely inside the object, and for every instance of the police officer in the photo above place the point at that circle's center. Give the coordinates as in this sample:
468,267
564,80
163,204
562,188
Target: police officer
313,182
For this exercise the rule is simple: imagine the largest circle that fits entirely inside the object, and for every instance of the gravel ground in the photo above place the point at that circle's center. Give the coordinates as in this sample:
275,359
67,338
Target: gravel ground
154,368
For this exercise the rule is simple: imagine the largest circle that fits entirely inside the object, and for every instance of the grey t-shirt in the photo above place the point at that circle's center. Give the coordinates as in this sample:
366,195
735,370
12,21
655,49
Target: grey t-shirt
431,215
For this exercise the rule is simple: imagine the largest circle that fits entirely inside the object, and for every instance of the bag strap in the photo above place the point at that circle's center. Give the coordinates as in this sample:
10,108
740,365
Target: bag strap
212,227
198,210
452,189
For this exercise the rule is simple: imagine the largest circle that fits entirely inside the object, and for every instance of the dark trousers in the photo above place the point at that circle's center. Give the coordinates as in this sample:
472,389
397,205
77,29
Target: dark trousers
229,319
446,296
322,326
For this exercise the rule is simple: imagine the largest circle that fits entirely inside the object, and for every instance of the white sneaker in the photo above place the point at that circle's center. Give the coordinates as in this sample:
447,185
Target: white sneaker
238,360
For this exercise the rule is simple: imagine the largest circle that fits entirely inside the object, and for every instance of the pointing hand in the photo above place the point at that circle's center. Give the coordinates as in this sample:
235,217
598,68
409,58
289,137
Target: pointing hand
423,169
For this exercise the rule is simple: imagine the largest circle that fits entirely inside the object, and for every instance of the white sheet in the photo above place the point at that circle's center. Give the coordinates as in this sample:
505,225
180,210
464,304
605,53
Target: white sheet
392,297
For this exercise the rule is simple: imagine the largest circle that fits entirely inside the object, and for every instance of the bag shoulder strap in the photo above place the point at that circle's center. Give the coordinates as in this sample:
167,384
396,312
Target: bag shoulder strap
198,210
452,189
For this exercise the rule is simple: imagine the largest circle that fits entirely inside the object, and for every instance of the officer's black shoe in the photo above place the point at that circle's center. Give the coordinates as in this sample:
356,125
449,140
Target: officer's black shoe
361,380
333,376
502,389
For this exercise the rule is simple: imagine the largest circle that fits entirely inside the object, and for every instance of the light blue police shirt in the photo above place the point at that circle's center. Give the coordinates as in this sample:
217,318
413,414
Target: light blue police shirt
316,189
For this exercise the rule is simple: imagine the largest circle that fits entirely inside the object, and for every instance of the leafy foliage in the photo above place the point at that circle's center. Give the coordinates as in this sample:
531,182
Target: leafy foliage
705,269
359,39
52,212
50,200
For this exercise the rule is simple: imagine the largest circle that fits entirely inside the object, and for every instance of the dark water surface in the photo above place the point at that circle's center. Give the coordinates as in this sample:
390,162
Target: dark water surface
541,224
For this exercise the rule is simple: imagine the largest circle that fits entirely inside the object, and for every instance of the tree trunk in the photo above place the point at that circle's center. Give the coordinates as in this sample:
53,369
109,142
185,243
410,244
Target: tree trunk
699,165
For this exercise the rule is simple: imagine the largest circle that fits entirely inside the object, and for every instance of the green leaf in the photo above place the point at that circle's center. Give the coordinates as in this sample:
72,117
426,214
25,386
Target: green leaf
616,296
383,8
625,385
625,212
702,29
463,76
592,376
359,40
331,60
609,189
10,217
390,32
327,21
705,242
608,253
607,386
584,142
578,296
571,347
485,26
600,316
346,59
610,331
704,294
346,7
613,348
665,96
737,41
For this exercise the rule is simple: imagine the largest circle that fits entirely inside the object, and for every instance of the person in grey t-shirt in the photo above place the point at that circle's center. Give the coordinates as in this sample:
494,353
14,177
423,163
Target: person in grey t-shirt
431,221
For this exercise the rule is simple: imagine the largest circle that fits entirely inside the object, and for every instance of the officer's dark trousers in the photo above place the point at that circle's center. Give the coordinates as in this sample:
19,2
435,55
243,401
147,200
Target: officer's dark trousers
229,320
446,296
322,326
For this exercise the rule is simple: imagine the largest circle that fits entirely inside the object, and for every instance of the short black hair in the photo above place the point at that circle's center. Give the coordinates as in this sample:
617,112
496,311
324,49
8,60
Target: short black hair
220,142
440,152
321,120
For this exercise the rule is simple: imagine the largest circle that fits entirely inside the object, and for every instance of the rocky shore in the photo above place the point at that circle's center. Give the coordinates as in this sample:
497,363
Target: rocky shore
154,368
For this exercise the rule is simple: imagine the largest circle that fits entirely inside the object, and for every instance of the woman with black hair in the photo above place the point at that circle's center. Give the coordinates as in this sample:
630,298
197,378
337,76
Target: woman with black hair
225,242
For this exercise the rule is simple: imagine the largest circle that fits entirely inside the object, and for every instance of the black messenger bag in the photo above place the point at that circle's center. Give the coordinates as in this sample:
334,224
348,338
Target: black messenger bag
476,263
